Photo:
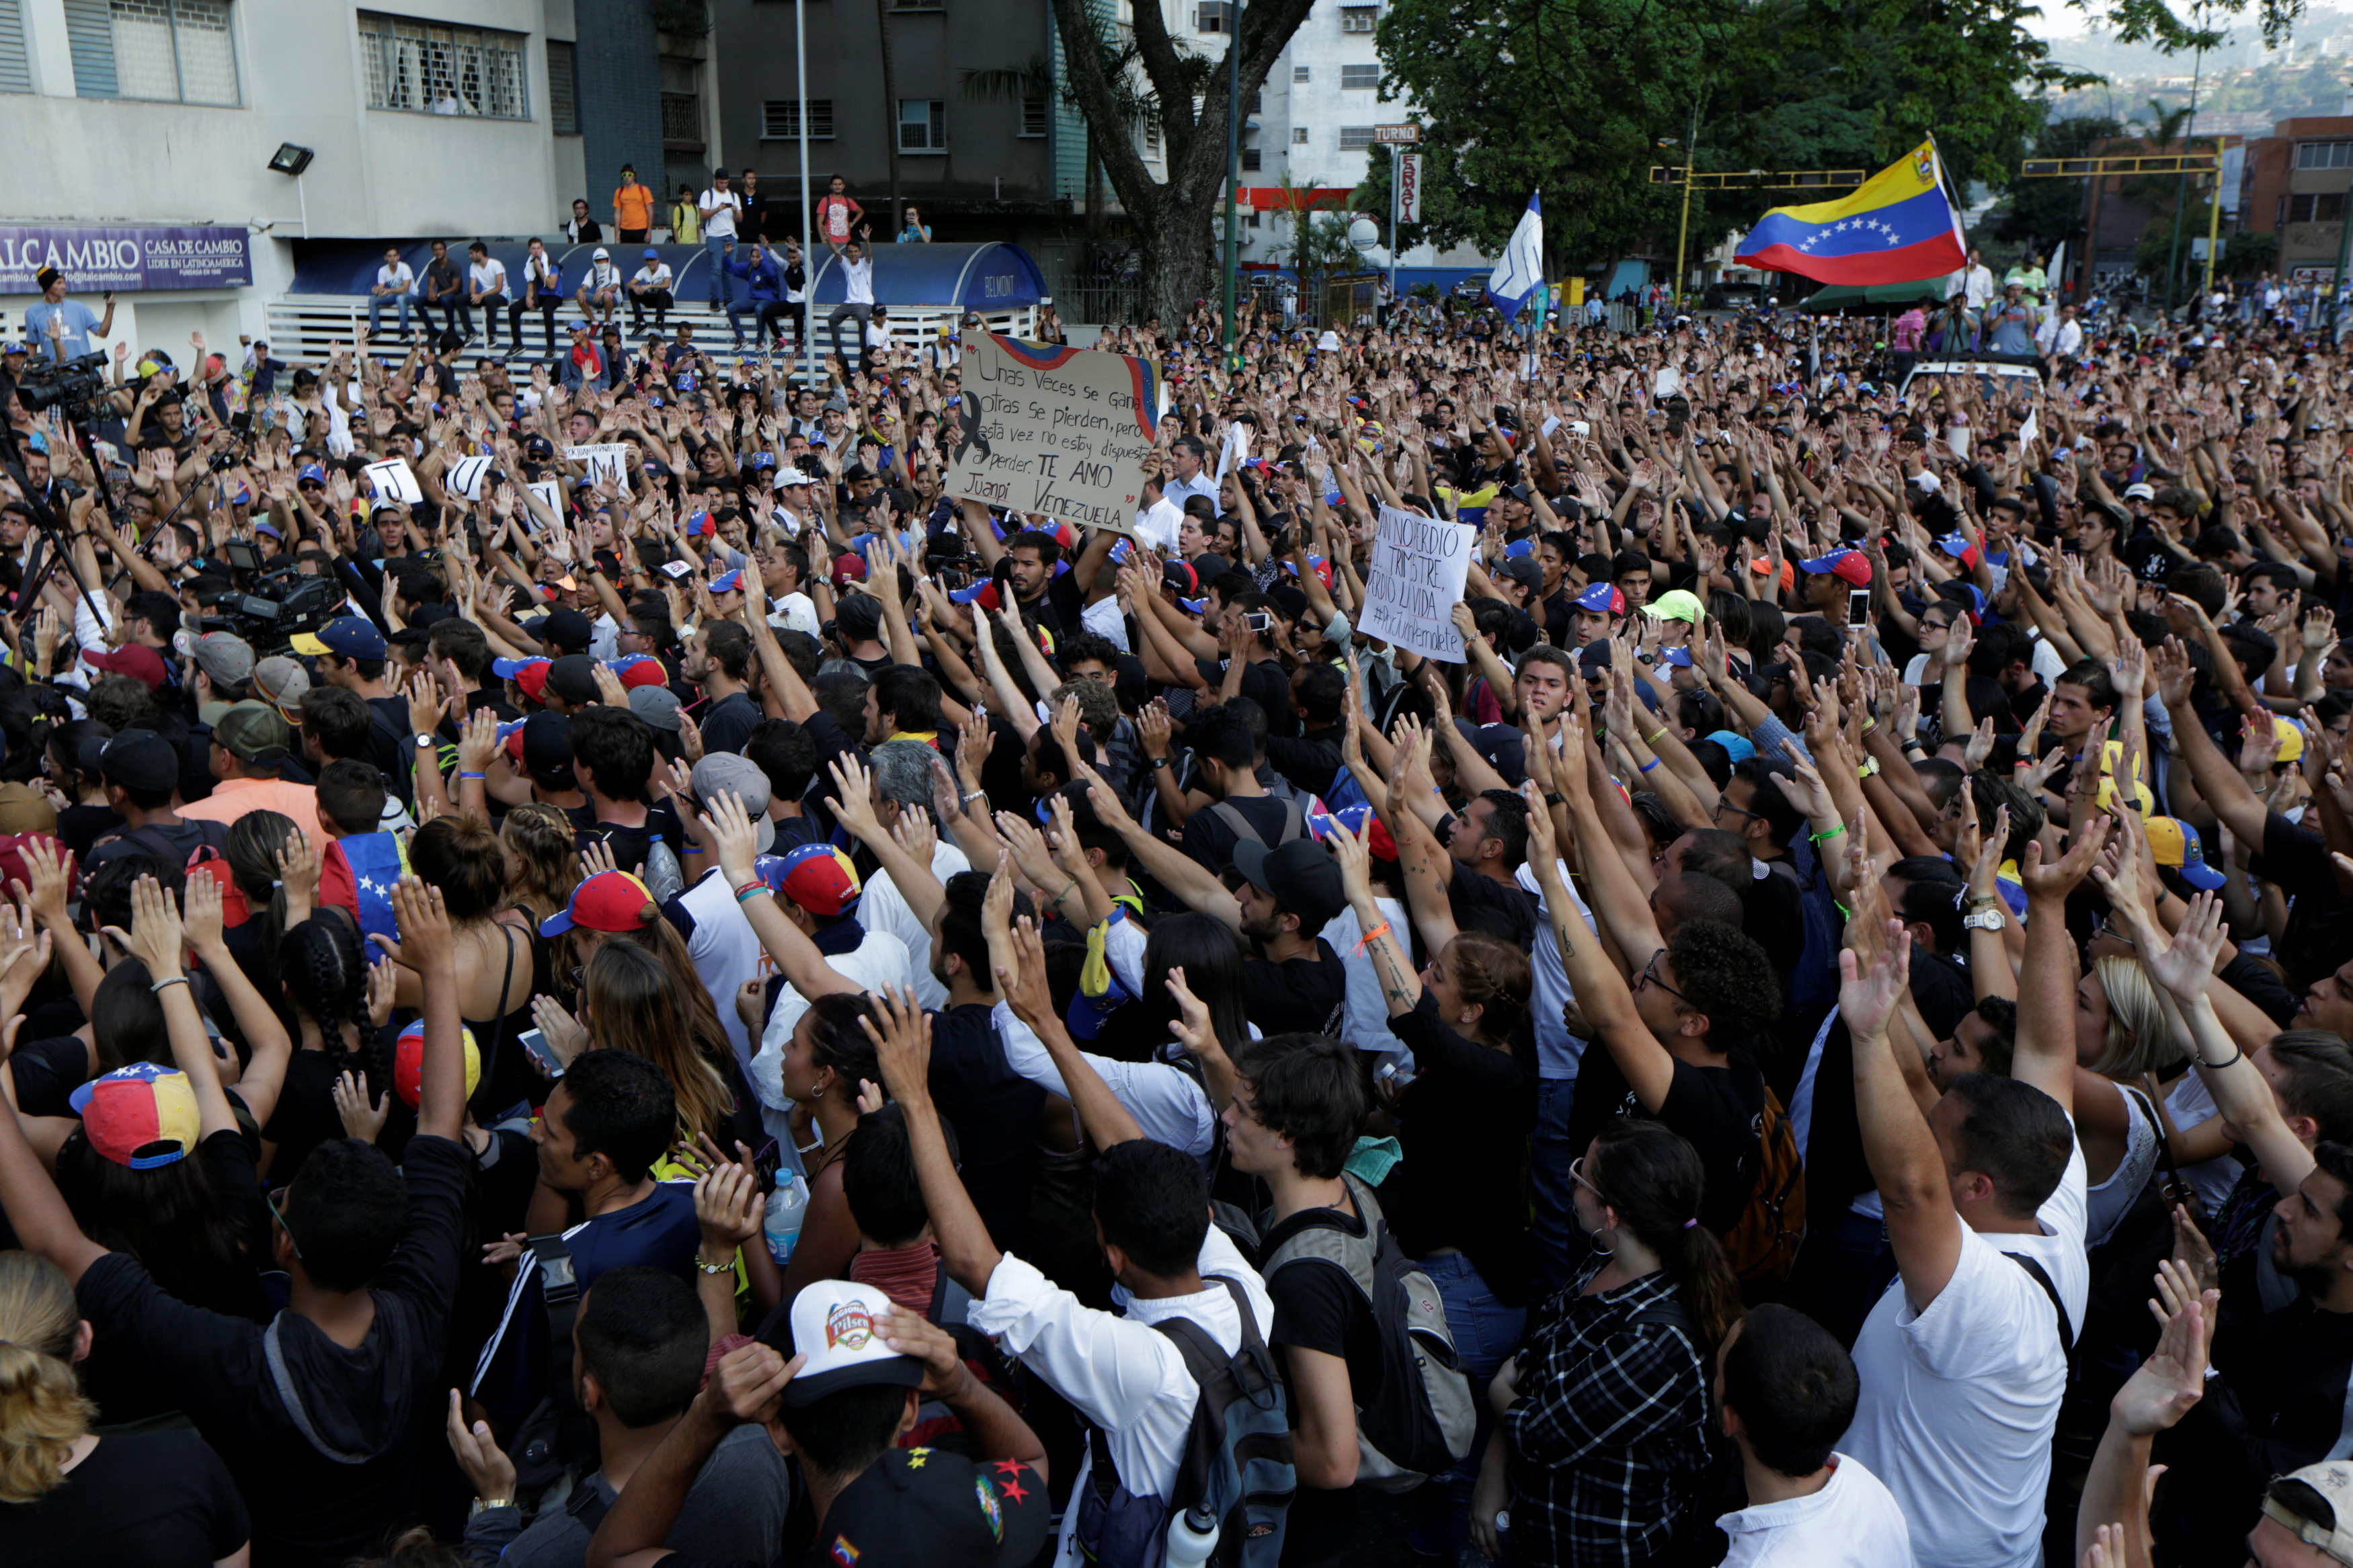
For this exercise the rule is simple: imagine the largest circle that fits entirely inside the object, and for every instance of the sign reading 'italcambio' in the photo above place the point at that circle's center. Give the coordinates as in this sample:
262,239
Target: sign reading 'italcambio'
126,258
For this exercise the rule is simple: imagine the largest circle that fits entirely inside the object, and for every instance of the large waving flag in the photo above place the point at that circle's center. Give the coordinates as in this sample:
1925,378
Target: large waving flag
1898,227
1521,270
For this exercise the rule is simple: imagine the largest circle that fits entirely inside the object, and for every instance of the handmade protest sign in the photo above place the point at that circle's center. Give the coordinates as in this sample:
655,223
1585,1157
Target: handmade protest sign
1418,568
605,460
551,492
1062,432
394,482
466,477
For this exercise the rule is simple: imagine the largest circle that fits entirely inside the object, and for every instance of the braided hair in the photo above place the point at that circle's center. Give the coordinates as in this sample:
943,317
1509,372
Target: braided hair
326,977
250,850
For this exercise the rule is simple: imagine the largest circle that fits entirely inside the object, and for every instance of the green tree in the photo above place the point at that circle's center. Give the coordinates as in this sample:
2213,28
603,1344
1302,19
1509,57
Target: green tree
1574,98
1174,217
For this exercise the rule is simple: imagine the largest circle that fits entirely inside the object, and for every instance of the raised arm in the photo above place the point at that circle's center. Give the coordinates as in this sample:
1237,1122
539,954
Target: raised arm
802,965
903,1048
2045,1054
1897,1145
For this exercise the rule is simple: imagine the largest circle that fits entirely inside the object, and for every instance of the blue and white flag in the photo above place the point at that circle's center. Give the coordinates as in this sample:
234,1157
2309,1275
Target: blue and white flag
1520,270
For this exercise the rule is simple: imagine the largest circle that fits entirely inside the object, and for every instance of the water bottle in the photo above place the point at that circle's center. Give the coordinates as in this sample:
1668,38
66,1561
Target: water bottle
787,1206
1192,1536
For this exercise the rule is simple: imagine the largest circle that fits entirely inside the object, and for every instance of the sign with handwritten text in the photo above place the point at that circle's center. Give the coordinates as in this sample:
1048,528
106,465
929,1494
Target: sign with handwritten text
1418,568
1056,431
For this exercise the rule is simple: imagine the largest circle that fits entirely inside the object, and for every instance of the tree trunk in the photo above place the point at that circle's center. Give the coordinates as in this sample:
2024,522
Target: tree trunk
1094,191
1179,244
890,117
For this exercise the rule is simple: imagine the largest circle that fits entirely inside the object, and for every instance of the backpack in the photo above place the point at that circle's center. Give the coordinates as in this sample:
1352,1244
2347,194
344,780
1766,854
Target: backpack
1763,1243
1418,1420
1294,822
556,1444
1236,1468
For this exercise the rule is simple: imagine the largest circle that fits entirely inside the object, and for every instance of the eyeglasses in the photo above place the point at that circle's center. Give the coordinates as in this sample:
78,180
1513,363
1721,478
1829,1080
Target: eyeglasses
1576,1174
280,1216
1649,976
1723,805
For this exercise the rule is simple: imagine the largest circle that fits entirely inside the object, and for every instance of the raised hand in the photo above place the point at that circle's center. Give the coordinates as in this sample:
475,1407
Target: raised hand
156,937
1869,991
479,1455
732,835
903,1043
362,1118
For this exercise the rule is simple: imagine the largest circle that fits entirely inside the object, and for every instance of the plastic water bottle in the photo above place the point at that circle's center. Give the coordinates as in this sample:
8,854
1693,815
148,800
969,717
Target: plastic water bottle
1192,1536
787,1206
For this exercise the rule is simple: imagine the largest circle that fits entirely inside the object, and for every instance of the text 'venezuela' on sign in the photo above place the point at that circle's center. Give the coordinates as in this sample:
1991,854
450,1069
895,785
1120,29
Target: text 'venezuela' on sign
1062,432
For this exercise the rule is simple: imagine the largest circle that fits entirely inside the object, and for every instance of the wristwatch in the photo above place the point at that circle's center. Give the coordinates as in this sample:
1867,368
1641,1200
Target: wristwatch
425,743
1984,919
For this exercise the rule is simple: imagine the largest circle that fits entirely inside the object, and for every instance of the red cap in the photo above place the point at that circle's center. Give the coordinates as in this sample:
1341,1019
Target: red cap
132,658
640,670
608,901
531,680
849,568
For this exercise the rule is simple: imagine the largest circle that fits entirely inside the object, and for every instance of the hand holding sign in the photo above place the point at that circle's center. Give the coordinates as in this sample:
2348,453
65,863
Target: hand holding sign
394,482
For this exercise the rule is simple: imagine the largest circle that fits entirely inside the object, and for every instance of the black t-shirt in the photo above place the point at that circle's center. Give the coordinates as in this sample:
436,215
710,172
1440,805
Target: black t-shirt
1941,990
1210,837
47,1071
995,1112
160,1500
632,846
730,722
1309,762
80,826
1464,1122
1263,683
1719,1112
366,1406
1504,910
1317,1306
1298,994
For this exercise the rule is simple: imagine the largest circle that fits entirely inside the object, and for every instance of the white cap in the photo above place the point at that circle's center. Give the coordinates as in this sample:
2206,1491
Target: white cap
838,1326
603,254
792,477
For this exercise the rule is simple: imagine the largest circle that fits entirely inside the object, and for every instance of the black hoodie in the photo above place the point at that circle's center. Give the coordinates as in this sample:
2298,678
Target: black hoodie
320,1439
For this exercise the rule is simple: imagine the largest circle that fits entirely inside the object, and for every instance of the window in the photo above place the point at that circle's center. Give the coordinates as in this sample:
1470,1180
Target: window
2324,154
431,69
1213,16
2327,208
1252,159
1356,138
780,120
1299,136
923,125
1150,126
1301,75
563,97
1253,220
1355,77
1358,19
1033,117
16,72
1254,103
174,50
680,82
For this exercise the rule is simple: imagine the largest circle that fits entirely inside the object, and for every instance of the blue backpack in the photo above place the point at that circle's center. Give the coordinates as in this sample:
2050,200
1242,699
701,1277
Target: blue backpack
1236,1468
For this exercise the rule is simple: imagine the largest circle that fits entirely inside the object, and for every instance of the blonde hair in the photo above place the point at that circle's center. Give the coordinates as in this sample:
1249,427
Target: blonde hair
42,1410
2139,1037
541,837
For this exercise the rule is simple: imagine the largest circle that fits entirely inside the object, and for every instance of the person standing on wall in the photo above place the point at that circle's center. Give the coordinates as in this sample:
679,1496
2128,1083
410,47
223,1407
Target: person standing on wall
633,207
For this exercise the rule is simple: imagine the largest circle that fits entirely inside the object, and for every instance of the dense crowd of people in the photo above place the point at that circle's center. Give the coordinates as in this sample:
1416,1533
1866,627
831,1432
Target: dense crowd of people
727,1006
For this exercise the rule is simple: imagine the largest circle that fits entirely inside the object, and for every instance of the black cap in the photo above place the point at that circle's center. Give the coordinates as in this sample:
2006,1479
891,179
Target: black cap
562,630
574,678
140,761
859,617
1301,876
547,744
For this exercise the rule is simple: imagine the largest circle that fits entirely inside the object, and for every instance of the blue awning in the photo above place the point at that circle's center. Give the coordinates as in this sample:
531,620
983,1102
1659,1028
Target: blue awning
991,276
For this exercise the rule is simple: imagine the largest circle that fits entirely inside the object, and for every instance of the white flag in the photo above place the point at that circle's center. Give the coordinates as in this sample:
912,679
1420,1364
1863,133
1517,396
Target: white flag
1521,267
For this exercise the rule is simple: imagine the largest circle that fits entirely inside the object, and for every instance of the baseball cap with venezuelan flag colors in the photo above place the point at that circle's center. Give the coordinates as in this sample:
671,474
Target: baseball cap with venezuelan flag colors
408,1064
608,901
821,878
141,1116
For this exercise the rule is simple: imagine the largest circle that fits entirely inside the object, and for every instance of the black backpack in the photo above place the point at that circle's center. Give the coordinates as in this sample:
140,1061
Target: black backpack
1419,1421
1237,1465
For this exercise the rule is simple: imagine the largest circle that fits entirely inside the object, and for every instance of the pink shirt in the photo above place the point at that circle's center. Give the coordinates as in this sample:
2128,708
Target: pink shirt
1904,337
233,798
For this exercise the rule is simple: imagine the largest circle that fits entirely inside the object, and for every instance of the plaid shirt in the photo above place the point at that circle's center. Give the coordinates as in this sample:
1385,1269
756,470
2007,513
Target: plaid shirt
1609,1433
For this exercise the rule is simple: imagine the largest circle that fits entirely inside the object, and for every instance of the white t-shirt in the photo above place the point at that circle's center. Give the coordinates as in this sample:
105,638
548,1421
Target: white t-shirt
1160,523
400,279
654,275
1852,1522
719,212
794,612
726,953
883,908
1958,1401
1557,1051
489,276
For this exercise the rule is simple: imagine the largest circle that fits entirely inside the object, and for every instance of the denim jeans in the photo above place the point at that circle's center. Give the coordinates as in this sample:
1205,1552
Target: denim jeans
715,250
1485,1333
376,302
1560,1246
862,314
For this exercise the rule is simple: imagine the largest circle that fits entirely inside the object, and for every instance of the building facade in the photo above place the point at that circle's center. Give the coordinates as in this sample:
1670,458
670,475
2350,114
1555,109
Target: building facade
2298,178
420,117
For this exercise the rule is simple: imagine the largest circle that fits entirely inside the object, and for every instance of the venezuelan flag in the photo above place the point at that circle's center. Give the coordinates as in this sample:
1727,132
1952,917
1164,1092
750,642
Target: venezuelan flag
1898,228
